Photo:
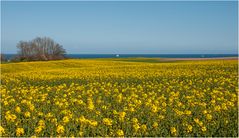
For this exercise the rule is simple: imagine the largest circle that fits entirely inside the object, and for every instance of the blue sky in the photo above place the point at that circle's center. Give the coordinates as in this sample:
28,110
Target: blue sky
155,27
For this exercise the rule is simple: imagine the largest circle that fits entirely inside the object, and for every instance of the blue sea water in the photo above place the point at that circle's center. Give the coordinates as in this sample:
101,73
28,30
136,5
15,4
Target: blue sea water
150,55
9,56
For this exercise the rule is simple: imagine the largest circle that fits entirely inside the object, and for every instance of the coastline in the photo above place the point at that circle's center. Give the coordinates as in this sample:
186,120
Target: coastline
198,59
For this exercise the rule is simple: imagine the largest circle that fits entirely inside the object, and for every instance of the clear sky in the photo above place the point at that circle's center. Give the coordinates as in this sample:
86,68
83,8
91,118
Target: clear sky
124,27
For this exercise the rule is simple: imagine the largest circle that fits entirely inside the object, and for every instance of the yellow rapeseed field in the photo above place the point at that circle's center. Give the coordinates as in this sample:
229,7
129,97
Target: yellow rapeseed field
109,97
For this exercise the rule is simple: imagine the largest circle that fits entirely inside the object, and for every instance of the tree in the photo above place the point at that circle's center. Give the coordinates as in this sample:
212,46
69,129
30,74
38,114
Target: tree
40,49
2,58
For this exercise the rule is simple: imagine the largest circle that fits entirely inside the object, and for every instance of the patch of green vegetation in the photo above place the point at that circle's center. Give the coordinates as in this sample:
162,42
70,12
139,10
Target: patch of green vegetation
147,60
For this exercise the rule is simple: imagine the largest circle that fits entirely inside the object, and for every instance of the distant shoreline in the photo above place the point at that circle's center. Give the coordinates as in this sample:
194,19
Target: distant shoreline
164,56
185,59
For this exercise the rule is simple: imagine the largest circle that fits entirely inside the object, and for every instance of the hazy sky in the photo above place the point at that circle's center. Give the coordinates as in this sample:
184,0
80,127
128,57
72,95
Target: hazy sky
124,27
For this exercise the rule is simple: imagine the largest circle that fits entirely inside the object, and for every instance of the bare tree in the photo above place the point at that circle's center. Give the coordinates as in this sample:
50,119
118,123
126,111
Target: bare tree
2,58
40,49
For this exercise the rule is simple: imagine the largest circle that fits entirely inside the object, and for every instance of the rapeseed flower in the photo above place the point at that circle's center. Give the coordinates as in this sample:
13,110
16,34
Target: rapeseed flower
27,114
173,131
19,132
120,132
60,129
107,121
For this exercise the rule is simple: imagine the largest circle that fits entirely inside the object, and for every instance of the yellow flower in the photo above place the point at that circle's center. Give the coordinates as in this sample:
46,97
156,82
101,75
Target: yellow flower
209,117
93,123
27,114
107,121
104,107
91,106
119,98
196,120
115,112
189,128
205,112
18,109
10,117
161,117
144,127
121,116
136,127
200,123
5,103
40,114
82,119
66,119
173,130
154,109
155,125
31,107
49,115
38,129
2,131
135,120
19,131
187,112
60,129
204,129
164,104
131,109
41,123
120,132
54,120
97,112
81,133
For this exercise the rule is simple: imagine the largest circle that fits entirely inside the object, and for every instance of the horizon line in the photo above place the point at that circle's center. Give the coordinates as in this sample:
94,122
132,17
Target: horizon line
142,53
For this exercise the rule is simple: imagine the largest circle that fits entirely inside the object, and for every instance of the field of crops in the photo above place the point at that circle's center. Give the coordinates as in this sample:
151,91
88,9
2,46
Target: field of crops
109,97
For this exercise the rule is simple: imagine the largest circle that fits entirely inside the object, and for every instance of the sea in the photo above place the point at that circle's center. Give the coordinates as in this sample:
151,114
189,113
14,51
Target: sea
10,56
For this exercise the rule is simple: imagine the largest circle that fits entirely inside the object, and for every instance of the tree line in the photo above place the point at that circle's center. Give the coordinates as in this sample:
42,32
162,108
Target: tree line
40,48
